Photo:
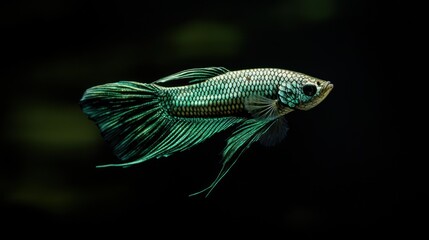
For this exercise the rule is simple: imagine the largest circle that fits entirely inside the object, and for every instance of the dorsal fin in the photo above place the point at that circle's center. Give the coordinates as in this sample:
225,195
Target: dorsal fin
194,75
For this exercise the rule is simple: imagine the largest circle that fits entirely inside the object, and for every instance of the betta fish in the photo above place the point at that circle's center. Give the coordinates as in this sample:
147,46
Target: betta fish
142,121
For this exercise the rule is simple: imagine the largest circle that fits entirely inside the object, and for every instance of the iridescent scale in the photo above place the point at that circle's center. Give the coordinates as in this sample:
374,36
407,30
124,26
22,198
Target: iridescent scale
223,95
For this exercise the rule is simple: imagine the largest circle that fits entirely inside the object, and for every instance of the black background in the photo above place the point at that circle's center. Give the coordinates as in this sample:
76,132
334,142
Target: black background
334,176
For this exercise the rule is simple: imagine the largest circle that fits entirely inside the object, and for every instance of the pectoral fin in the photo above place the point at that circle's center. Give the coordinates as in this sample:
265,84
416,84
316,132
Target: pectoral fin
264,108
261,107
275,133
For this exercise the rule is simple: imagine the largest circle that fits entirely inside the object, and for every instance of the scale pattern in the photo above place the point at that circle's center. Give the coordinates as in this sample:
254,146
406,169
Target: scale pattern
225,95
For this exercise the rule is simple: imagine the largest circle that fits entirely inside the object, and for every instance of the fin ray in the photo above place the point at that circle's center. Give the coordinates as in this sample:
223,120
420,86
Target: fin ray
262,107
194,75
275,133
247,133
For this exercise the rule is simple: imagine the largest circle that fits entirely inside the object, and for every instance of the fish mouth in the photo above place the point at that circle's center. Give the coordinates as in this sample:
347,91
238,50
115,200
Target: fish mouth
326,90
329,86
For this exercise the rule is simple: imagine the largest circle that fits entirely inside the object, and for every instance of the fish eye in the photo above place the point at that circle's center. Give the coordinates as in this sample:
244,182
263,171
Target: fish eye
309,89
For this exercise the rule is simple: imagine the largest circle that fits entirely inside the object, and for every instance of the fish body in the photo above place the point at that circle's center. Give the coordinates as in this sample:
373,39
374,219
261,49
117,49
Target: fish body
220,96
142,121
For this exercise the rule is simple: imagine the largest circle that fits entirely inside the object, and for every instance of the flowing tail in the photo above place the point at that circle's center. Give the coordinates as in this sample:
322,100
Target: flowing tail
132,120
121,111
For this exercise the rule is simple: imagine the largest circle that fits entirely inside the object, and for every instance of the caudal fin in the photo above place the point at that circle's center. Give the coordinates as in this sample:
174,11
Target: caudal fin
131,119
124,112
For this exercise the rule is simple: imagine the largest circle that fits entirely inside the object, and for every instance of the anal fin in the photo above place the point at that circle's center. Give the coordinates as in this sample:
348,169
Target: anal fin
247,133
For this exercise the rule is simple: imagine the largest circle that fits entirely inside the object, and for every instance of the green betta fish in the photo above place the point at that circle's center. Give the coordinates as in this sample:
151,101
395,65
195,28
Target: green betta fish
142,121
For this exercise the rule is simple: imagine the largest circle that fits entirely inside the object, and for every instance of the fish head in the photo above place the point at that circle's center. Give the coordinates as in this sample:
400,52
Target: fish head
304,92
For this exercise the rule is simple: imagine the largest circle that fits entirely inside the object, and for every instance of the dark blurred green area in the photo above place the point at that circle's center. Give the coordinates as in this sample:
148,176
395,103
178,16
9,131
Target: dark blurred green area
334,174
